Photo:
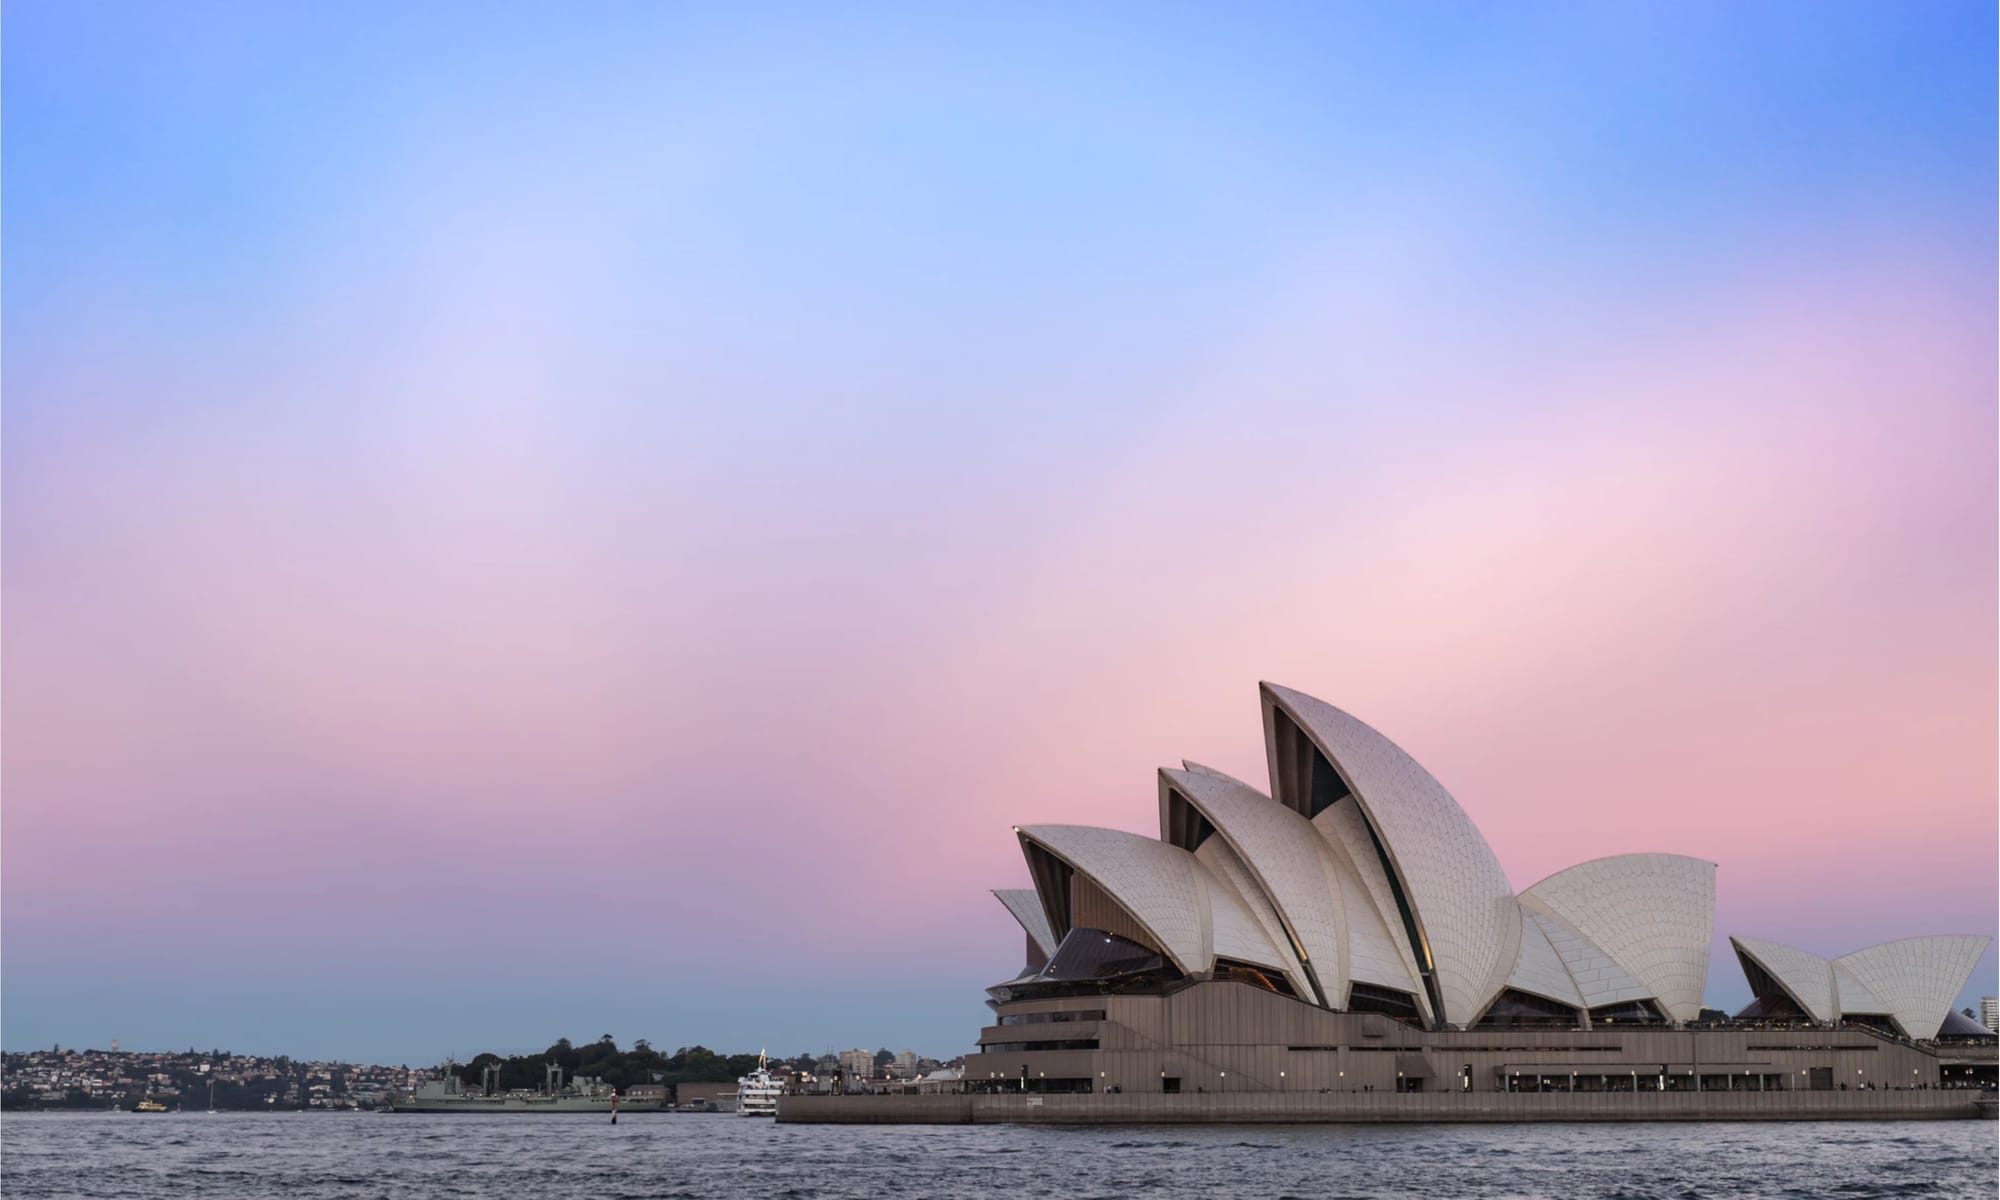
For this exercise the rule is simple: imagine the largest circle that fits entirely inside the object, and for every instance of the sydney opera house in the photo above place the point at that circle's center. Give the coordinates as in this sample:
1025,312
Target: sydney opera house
1351,931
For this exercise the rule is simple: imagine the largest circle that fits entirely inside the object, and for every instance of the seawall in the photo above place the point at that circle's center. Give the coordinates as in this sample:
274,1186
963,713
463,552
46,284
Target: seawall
1377,1107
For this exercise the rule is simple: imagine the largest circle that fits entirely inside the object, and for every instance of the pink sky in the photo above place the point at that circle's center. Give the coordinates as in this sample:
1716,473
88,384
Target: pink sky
677,565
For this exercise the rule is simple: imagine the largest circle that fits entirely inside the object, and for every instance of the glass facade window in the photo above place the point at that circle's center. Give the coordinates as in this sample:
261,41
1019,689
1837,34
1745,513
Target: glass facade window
1875,1021
1636,1012
1095,954
1022,1047
1091,962
1513,1009
1229,971
1034,1084
1366,997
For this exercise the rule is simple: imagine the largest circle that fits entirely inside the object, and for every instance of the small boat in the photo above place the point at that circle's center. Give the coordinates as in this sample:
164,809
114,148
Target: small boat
757,1092
149,1106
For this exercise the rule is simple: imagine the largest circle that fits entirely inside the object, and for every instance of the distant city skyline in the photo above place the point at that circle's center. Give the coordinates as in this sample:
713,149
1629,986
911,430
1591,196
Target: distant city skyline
520,526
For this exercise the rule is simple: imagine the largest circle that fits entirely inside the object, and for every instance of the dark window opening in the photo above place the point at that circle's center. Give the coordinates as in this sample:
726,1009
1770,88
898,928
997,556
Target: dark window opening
1367,997
1047,1018
1023,1047
1230,971
1091,962
1036,959
1187,827
1513,1009
1052,877
1016,1085
1782,1013
1170,1084
1773,1002
1328,788
1632,1012
1095,954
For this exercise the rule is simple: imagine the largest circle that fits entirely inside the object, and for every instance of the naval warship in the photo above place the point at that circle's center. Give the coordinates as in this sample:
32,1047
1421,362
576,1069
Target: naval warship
448,1094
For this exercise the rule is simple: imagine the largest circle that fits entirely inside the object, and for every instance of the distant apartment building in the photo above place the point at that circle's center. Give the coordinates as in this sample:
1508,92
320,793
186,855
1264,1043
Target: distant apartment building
857,1064
1989,1012
905,1066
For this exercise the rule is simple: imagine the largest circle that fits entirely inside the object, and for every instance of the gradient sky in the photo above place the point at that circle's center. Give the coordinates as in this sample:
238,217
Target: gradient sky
542,520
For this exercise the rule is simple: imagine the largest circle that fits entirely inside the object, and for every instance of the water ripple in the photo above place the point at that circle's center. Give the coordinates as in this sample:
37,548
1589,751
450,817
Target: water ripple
362,1156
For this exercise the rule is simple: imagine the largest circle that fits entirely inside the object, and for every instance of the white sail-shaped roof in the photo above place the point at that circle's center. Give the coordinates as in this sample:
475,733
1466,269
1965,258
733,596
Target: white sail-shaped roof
1806,977
1160,886
1377,951
1289,862
1468,925
1359,868
1913,981
1652,913
1853,996
1027,909
1539,969
1245,926
1189,765
1168,892
1917,979
1599,980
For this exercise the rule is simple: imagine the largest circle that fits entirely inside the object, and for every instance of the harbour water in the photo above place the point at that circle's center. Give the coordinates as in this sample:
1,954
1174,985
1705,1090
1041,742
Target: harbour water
338,1156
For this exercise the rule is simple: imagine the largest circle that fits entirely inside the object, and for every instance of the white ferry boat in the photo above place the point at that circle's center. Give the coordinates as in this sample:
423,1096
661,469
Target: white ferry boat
757,1092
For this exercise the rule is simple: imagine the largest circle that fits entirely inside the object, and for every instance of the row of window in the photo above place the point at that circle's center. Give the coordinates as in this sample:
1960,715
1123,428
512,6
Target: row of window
1018,1047
1033,1086
1044,1018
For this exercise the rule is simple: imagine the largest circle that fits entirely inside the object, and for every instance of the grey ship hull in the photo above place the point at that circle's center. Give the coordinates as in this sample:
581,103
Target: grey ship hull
519,1104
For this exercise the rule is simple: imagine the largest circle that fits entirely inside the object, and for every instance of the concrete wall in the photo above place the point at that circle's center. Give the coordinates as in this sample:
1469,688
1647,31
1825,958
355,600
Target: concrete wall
1312,1107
